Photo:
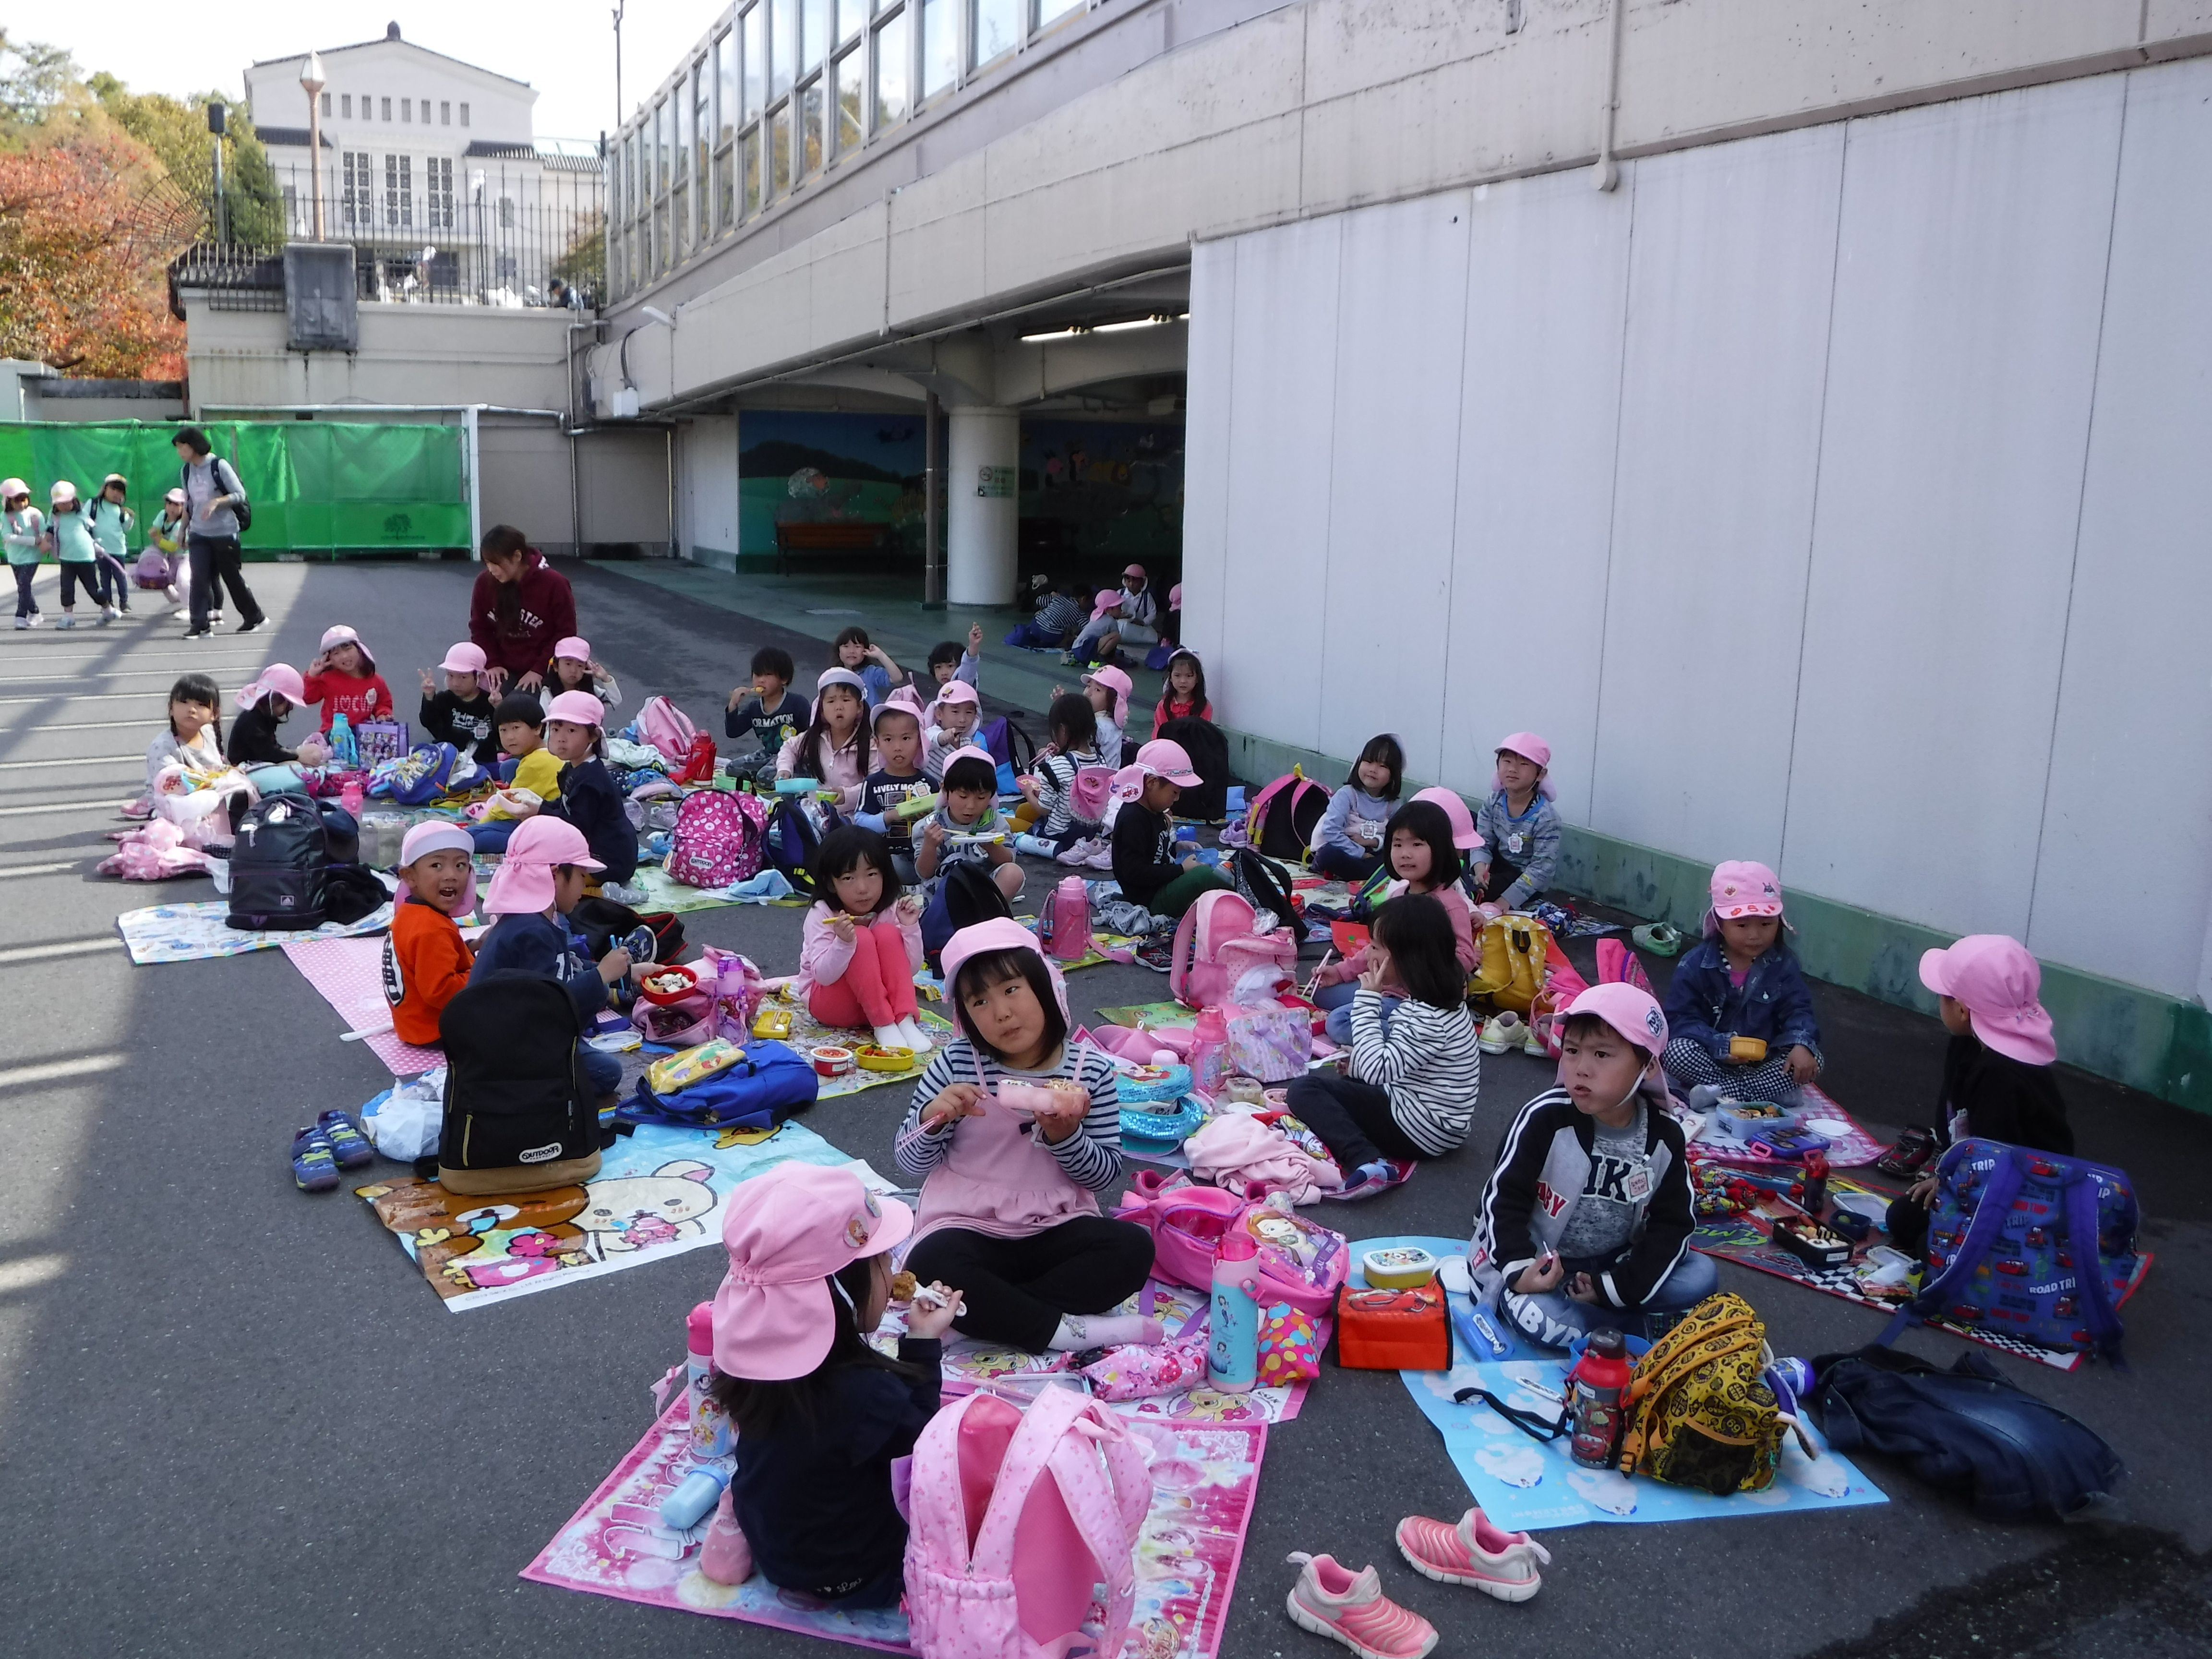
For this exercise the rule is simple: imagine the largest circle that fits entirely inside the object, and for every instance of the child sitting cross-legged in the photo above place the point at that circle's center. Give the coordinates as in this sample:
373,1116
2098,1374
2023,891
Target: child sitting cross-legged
194,740
1348,842
426,960
773,713
1108,689
463,713
1010,1187
1738,1009
821,1416
1423,858
1519,825
965,828
1415,1075
530,772
862,941
1586,1220
1050,788
895,732
1145,842
587,797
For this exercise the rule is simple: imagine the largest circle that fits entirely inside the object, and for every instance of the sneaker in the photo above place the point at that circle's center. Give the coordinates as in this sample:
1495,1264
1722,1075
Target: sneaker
196,633
1157,957
1501,1032
314,1166
1474,1553
37,617
110,611
1914,1147
66,621
107,615
1534,1045
1369,1179
253,627
1331,1600
22,622
348,1145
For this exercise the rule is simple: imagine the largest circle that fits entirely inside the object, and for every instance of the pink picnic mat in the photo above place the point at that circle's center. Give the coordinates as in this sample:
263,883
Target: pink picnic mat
1849,1146
1204,1477
349,973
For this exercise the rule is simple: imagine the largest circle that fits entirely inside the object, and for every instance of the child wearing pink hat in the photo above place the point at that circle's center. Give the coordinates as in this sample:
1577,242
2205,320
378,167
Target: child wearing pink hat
588,798
1519,829
343,679
1738,1005
1148,858
1011,1178
1109,689
264,703
1999,1083
575,669
463,713
950,725
426,960
1586,1220
834,747
821,1416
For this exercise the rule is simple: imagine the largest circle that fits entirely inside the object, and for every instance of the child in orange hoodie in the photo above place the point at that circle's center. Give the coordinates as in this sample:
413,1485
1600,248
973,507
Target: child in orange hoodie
426,960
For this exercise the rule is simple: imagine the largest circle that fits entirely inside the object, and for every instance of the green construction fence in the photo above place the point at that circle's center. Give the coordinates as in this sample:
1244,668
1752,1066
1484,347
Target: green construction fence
317,486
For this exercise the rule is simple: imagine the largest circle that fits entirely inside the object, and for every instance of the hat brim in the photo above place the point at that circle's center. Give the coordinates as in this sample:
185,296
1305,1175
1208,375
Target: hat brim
1935,971
1180,779
1734,912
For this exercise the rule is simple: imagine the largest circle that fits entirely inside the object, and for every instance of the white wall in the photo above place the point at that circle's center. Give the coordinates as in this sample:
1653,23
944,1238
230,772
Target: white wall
1836,497
408,355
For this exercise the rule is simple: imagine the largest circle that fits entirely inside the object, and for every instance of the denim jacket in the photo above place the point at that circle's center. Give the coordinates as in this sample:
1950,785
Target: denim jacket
1772,1004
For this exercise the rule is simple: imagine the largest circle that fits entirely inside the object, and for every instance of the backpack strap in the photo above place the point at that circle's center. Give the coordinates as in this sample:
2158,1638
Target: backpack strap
935,1515
1045,1420
1991,1210
1103,1480
2101,1318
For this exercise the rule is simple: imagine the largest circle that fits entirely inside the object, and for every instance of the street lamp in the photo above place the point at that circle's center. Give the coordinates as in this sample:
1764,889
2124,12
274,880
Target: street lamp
312,79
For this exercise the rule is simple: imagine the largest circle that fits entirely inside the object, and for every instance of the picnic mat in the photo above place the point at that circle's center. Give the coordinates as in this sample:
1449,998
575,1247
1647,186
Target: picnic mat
1150,1013
1204,1477
1525,1484
662,894
659,1193
1103,945
1744,1240
198,932
807,1032
349,972
1849,1146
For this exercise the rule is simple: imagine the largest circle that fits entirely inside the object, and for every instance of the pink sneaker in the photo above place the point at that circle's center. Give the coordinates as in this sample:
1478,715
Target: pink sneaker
1331,1600
725,1557
1473,1553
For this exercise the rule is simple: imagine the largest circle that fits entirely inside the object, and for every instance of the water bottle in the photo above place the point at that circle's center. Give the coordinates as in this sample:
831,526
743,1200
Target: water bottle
1599,1377
710,1424
345,751
349,798
1232,1355
695,1494
1209,1050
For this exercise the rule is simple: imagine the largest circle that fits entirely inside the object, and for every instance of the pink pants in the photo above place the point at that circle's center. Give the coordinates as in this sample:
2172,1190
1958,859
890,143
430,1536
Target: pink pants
877,986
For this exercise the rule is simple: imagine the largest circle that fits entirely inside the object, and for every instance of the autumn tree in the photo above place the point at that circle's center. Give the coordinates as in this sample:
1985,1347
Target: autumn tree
175,131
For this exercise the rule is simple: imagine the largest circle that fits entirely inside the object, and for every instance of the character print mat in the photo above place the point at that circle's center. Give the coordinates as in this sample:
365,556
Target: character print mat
196,932
1524,1484
808,1032
1849,1146
1204,1478
659,1192
1743,1240
767,887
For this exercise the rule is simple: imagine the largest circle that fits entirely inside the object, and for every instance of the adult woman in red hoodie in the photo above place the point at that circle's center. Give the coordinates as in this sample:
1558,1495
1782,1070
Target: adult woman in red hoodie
520,609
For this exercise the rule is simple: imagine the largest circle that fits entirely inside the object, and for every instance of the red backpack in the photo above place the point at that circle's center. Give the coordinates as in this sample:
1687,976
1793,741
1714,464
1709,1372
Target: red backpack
1282,818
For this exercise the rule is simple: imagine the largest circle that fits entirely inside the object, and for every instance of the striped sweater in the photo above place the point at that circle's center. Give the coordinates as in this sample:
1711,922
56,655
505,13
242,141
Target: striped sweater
1427,1062
1091,1156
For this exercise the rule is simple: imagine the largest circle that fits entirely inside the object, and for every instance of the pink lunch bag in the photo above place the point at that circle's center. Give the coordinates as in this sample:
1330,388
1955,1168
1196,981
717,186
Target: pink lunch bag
1301,1262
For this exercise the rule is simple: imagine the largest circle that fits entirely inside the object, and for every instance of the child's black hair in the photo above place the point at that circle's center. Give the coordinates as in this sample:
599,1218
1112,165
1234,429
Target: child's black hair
517,709
1584,1027
988,968
846,637
1167,682
1384,750
774,660
841,851
200,688
968,773
1417,931
587,681
1426,820
1072,723
946,651
809,761
760,1409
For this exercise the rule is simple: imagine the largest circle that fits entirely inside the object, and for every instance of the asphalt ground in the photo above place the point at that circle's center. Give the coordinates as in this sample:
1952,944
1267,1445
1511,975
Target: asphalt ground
235,1421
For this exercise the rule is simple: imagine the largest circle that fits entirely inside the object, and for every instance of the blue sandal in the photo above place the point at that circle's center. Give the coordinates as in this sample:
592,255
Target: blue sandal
348,1145
313,1165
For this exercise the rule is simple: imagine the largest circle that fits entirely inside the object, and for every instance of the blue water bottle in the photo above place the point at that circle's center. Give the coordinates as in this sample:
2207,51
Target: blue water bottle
344,752
1232,1355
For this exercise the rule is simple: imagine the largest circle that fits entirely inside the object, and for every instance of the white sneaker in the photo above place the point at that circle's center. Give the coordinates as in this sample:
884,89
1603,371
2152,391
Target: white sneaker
915,1036
1501,1032
22,622
66,621
110,612
38,618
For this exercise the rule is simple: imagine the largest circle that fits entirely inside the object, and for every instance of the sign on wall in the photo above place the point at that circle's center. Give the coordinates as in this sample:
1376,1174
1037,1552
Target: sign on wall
994,483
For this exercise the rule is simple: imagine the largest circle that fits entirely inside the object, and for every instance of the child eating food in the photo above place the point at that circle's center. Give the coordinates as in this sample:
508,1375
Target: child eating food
264,704
463,713
834,747
194,740
895,732
1423,858
772,715
426,960
1050,789
529,774
587,797
862,941
1144,843
965,828
1738,1008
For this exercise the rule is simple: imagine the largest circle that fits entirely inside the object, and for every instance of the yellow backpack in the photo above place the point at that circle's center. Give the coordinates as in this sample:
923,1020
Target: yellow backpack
1514,950
1698,1411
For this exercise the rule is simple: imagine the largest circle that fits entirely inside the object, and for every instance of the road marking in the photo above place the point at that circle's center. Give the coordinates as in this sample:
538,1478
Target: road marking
28,1273
78,760
72,726
66,947
8,871
110,802
57,1071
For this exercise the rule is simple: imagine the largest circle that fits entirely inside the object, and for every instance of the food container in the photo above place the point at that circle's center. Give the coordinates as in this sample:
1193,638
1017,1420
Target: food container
1786,1141
667,981
1152,1082
1747,1051
830,1061
1161,1129
772,1023
1809,1242
1398,1268
870,1058
1745,1121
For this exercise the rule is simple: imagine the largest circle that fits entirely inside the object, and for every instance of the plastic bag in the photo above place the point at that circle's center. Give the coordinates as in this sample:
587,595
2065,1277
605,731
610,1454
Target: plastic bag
403,1124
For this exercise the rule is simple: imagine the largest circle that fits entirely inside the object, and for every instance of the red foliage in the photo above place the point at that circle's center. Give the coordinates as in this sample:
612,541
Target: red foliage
86,229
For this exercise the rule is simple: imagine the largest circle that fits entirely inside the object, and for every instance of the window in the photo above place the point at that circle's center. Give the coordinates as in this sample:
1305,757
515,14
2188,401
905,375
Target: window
387,109
891,72
326,106
749,174
438,187
755,66
703,142
445,113
778,172
465,115
345,105
682,120
1051,11
723,125
783,46
407,109
359,201
851,88
940,46
398,192
814,34
998,27
851,14
810,135
507,213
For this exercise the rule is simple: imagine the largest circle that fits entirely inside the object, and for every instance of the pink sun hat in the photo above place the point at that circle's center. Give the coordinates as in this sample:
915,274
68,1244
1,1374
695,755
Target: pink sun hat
523,884
578,708
972,751
1528,746
1136,570
786,1231
341,635
2001,984
279,677
1109,599
464,659
1455,810
1175,597
894,704
1000,933
1629,1009
433,835
956,691
1163,757
573,648
1741,887
1120,685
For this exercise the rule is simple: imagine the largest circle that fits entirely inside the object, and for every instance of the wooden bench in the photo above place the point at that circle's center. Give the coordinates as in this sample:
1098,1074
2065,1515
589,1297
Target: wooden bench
834,536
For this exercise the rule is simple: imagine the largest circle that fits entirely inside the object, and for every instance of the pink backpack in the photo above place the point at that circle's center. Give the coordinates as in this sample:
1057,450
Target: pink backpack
1066,920
1301,1262
1088,795
1222,956
719,837
1016,1517
666,727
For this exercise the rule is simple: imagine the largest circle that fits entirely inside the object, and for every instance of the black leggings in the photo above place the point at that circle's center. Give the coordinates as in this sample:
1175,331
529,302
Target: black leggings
1351,1118
1016,1289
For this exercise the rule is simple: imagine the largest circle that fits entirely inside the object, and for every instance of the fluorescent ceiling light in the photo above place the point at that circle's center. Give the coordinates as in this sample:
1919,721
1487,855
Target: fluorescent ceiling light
1075,329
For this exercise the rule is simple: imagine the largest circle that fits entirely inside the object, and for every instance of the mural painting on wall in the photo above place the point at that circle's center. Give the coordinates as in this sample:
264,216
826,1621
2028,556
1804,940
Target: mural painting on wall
797,467
1103,491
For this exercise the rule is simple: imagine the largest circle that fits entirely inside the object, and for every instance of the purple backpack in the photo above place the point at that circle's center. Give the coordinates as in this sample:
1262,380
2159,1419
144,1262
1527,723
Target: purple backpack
719,838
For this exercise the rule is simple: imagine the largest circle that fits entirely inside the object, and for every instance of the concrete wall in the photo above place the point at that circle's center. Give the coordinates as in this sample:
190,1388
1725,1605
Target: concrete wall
1309,110
622,479
707,496
1835,497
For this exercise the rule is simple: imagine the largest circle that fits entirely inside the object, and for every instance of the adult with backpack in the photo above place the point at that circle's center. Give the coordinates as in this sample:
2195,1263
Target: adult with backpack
218,512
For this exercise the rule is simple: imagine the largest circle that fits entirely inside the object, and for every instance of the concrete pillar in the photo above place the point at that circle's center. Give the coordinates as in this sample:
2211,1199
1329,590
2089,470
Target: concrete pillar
982,511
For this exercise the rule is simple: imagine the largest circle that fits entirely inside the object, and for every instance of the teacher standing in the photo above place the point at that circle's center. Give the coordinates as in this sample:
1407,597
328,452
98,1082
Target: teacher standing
212,493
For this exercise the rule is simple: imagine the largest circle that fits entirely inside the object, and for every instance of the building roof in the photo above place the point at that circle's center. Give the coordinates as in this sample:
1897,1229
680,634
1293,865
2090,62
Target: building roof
391,36
295,136
558,154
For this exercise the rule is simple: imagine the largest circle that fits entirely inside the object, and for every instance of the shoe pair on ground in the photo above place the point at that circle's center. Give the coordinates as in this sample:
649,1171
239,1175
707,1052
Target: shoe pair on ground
1331,1600
1509,1030
332,1142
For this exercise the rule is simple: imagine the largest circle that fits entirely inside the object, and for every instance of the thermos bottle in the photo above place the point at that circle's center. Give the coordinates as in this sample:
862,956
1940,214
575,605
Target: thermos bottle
1598,1381
710,1424
1232,1355
1209,1050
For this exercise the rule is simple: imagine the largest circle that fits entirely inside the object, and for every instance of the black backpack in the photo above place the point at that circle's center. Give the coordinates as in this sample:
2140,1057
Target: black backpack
280,863
969,896
515,1089
604,924
1968,1429
1266,883
240,508
793,837
1209,757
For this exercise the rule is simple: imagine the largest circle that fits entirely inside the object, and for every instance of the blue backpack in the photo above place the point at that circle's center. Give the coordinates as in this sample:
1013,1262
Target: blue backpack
2029,1244
769,1084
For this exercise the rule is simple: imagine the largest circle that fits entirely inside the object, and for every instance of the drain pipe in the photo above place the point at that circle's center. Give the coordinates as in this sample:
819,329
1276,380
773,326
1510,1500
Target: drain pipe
1606,175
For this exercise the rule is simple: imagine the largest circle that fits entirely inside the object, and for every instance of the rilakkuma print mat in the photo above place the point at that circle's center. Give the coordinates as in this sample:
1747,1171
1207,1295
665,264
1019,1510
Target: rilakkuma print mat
1743,1240
1524,1484
199,932
1204,1477
1849,1146
659,1192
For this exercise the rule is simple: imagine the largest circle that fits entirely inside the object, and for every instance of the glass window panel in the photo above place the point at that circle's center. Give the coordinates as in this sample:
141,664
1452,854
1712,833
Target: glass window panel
998,27
851,99
660,236
660,148
703,127
940,44
680,197
783,57
1051,11
750,172
725,89
756,56
851,14
814,34
810,141
779,124
891,72
679,109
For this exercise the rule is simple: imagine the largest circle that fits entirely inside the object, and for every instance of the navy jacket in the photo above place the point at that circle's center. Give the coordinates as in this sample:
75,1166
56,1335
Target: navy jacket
590,800
1772,1004
539,945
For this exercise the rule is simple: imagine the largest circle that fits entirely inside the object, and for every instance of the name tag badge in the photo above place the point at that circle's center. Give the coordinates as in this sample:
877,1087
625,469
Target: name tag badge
1513,843
1639,1185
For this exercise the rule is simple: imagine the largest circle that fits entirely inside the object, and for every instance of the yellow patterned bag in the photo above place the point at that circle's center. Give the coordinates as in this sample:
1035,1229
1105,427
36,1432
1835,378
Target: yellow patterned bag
1512,973
1698,1411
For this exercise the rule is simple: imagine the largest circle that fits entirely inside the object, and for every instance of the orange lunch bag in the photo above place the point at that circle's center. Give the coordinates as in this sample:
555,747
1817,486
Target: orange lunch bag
1393,1330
